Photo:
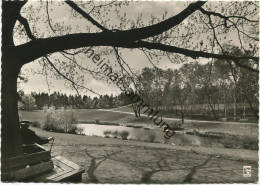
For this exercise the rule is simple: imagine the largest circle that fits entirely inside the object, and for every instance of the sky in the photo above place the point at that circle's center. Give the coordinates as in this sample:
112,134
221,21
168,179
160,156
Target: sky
61,14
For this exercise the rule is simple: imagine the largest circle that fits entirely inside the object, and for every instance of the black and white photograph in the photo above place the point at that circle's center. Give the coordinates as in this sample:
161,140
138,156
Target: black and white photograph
129,92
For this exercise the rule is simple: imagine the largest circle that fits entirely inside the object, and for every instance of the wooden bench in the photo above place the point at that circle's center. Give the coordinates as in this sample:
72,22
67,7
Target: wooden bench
63,171
37,165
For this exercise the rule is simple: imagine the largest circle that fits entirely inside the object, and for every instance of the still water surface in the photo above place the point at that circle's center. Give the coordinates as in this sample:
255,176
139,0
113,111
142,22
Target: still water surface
142,134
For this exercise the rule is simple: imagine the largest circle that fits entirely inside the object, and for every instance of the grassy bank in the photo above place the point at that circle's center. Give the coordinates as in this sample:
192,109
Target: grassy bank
229,140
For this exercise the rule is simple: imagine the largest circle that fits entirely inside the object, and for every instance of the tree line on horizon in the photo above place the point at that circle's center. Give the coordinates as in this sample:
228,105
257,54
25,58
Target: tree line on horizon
41,100
215,89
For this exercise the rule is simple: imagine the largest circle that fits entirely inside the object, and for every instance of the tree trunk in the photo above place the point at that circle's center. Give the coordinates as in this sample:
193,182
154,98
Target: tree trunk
255,111
182,114
244,110
235,107
136,110
225,106
212,107
11,65
11,137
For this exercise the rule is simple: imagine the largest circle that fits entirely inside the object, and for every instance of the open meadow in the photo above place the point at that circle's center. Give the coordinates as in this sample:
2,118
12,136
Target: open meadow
81,114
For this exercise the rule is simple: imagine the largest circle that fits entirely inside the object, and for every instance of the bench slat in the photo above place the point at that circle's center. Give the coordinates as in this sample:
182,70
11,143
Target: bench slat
25,173
23,160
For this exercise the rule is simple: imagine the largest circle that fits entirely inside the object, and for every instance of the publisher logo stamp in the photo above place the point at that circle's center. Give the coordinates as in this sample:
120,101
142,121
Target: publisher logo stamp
246,171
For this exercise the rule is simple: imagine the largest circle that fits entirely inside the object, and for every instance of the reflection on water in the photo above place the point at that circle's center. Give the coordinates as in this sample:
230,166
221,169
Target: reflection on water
143,135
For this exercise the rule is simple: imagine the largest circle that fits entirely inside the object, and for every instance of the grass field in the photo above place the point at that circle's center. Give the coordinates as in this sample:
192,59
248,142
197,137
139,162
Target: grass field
127,108
82,115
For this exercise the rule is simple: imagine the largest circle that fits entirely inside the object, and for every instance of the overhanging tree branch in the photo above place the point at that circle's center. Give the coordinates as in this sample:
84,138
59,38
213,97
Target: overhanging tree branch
94,22
197,54
48,17
85,15
74,84
73,60
41,47
107,38
148,31
225,17
189,53
25,23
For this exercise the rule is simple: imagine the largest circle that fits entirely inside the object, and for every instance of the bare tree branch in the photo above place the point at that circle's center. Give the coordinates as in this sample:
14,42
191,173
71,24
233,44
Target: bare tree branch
25,23
74,84
118,39
79,66
119,59
99,6
45,46
85,15
48,17
215,35
197,54
148,31
148,58
227,18
223,16
46,74
187,52
94,22
50,25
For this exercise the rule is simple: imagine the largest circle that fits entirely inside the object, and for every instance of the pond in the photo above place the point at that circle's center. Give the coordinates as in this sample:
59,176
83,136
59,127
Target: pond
150,135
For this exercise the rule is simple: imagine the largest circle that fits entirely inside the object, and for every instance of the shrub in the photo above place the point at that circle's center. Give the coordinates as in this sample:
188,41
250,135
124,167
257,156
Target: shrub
124,134
48,122
35,124
80,131
114,134
107,133
60,121
139,136
73,129
176,125
151,136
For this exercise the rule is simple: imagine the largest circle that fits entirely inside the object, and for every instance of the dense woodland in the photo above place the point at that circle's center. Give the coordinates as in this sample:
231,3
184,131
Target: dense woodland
59,100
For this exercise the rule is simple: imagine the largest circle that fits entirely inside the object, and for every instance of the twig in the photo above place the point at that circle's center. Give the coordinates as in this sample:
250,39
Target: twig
85,15
74,84
49,21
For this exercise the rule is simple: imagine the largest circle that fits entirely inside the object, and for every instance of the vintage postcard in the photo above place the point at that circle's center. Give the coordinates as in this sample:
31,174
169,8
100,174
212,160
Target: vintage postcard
130,92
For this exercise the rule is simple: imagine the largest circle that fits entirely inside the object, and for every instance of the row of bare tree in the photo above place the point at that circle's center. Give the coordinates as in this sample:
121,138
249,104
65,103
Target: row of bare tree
213,90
